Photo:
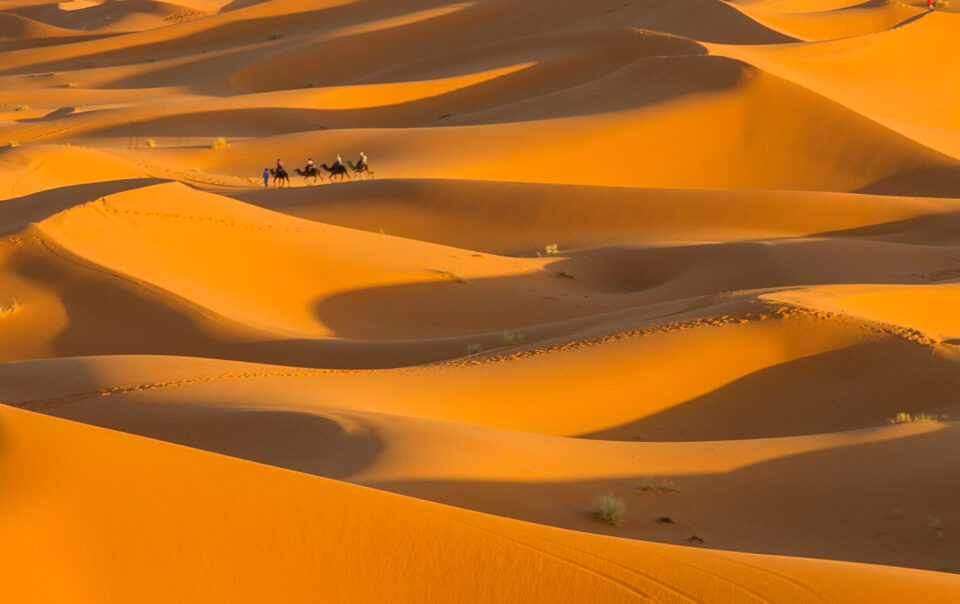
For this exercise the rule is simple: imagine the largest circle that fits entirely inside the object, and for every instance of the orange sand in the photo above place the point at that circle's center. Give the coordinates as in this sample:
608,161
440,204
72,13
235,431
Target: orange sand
699,255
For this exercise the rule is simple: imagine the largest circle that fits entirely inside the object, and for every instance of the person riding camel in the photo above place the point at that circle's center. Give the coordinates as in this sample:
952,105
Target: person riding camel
280,168
363,161
310,169
337,164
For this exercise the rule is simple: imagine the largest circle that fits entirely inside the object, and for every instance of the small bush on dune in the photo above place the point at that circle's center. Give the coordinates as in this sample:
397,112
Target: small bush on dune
151,143
22,108
908,418
220,143
7,308
13,143
474,348
510,338
647,483
452,275
610,509
274,36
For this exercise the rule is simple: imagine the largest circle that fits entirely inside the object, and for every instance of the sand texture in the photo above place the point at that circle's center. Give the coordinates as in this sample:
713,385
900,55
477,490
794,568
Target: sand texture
699,256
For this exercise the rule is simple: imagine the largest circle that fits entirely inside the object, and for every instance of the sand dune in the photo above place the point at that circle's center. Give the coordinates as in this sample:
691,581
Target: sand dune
856,72
702,256
329,526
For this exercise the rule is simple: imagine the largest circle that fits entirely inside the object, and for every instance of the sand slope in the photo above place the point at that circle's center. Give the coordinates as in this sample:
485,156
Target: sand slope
701,255
325,534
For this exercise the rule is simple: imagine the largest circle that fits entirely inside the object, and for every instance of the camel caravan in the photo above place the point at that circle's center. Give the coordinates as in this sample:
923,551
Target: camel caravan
311,174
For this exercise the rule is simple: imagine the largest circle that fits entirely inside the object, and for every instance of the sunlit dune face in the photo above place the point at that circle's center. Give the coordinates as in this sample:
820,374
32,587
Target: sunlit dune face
489,301
75,5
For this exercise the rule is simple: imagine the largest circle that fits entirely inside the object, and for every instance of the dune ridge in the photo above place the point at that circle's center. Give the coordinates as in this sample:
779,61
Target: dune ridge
701,256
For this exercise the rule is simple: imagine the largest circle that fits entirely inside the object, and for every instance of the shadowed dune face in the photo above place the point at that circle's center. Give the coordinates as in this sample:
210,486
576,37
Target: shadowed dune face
700,256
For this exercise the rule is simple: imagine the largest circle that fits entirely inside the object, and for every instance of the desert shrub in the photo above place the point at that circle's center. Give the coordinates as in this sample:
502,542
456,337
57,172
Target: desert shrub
909,418
552,248
451,274
151,143
474,348
274,36
220,143
664,485
184,15
610,509
510,338
13,143
22,108
8,308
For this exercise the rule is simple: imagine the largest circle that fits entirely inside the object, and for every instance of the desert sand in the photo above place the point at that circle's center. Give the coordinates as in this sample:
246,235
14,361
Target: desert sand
702,256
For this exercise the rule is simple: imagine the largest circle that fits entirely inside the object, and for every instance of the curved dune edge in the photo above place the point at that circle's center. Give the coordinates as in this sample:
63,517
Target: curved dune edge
165,486
699,255
373,428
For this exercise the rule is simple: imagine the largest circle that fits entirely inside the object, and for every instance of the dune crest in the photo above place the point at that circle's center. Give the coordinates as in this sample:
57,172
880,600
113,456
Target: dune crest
632,301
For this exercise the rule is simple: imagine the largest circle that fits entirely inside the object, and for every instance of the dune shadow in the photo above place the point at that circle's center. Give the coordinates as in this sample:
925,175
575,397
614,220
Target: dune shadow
532,93
868,502
939,181
933,229
18,212
601,280
111,314
294,440
223,35
839,390
449,307
24,44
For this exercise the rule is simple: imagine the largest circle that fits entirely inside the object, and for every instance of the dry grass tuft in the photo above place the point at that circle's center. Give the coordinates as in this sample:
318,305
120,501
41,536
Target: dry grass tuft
610,509
9,308
452,275
220,143
664,485
908,418
511,338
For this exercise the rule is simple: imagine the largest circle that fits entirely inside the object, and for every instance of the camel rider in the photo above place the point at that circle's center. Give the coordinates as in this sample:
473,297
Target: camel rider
310,167
280,168
338,163
363,161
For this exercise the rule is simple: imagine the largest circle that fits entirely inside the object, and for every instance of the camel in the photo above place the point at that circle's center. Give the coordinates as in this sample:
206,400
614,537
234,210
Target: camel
336,170
280,177
362,169
309,173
